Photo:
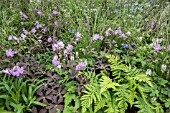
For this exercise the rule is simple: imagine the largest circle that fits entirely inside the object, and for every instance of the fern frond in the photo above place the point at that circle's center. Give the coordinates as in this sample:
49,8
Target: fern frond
143,107
100,104
142,78
107,83
92,94
121,94
112,106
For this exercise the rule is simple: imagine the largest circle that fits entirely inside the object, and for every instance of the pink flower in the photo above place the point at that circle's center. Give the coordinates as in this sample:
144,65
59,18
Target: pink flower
169,47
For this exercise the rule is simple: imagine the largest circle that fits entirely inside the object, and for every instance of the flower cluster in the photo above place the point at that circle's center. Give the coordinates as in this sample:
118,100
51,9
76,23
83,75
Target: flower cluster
68,49
15,71
97,37
56,62
119,32
58,45
81,65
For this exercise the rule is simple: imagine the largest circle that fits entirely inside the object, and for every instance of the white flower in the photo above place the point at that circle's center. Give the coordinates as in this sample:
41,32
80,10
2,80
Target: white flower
148,72
163,68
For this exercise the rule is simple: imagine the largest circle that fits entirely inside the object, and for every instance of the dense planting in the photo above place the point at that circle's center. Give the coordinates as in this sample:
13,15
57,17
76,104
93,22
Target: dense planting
83,56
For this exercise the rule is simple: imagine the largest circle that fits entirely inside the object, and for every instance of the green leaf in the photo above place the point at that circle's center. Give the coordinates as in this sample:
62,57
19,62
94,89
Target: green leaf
39,103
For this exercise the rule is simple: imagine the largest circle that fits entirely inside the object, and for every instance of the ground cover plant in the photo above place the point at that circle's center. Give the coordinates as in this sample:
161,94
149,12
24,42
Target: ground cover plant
84,56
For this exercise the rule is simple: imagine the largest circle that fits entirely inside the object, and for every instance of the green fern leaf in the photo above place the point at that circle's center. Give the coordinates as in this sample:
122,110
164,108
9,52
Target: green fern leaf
143,107
92,94
142,78
107,83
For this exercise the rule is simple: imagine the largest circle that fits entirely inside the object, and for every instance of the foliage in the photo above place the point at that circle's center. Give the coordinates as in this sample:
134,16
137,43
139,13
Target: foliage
123,87
18,95
56,49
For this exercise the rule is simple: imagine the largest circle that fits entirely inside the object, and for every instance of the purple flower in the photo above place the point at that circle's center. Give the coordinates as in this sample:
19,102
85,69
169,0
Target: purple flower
23,15
14,37
122,35
108,32
54,47
23,36
76,40
36,10
81,65
6,72
33,30
69,47
44,30
60,45
116,32
78,34
40,41
101,38
96,36
25,31
38,26
10,53
55,61
10,37
16,71
152,25
6,20
55,12
169,47
40,13
49,39
157,47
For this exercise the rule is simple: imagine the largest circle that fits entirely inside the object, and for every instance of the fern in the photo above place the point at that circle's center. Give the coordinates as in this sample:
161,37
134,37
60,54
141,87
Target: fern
144,108
92,94
107,83
126,88
142,78
121,94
